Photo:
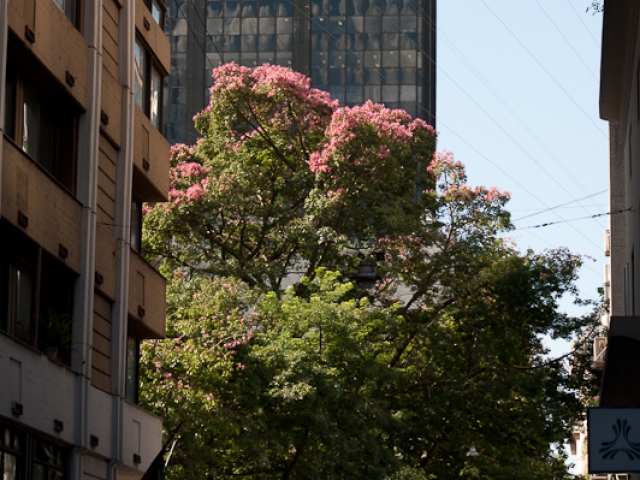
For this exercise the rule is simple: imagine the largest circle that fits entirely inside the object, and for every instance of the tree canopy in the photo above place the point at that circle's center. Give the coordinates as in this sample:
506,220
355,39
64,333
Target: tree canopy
283,365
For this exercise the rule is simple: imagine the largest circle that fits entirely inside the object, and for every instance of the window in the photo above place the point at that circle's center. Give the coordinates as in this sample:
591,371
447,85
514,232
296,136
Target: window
43,126
21,452
70,9
12,450
157,8
133,360
36,294
136,225
148,85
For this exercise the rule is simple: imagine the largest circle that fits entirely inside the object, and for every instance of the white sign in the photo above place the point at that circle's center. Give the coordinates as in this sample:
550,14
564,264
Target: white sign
614,440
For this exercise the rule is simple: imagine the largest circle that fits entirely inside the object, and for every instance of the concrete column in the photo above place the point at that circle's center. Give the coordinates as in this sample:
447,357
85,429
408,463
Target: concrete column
617,223
121,231
4,39
87,194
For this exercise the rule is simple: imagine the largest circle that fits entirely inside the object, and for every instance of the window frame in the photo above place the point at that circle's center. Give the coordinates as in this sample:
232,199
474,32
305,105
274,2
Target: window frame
21,249
76,8
149,66
27,455
56,113
161,8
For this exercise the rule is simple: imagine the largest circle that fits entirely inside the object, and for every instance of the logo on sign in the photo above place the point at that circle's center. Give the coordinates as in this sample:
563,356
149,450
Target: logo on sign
620,443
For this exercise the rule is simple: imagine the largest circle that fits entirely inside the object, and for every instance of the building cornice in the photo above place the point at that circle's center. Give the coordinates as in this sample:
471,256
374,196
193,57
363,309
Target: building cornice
617,35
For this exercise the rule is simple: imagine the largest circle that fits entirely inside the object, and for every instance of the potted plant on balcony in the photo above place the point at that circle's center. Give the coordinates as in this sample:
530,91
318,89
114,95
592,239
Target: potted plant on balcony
56,333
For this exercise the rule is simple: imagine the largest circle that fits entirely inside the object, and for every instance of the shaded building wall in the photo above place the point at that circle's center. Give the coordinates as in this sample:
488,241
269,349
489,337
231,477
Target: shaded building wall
357,50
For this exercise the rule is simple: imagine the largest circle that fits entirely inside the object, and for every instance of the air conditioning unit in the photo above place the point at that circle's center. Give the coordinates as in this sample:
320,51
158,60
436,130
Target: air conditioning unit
607,243
599,349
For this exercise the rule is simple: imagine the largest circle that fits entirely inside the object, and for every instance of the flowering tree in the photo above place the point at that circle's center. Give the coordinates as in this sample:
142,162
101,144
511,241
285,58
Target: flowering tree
323,379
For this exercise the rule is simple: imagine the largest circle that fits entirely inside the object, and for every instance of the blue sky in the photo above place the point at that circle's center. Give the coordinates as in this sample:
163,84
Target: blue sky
517,102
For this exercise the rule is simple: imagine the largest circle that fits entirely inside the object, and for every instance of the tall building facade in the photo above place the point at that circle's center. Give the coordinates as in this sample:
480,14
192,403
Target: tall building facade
357,50
80,91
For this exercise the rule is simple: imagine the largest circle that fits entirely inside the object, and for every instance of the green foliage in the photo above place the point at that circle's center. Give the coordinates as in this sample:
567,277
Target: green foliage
323,379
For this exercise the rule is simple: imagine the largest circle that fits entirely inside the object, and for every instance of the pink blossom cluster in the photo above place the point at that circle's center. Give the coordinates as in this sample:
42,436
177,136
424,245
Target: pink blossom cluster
380,126
269,95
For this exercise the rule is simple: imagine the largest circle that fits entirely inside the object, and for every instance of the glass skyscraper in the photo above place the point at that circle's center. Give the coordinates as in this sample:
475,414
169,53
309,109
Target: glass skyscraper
382,50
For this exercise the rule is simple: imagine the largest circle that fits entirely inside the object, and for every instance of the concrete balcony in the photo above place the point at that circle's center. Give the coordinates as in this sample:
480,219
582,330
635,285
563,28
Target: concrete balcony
35,203
147,299
43,390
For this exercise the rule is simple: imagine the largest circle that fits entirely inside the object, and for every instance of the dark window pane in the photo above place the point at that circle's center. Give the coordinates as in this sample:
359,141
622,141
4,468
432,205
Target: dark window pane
374,7
408,58
354,59
249,43
408,93
354,94
267,8
408,7
336,76
390,76
249,8
321,8
231,44
283,59
391,7
355,41
357,7
267,25
266,43
131,381
319,42
9,110
231,9
372,59
285,43
390,24
408,41
319,77
389,94
214,9
372,41
355,24
232,26
390,41
372,76
338,25
337,42
408,24
372,92
355,76
338,7
390,58
266,57
285,26
372,24
249,26
408,76
337,93
285,8
337,60
319,59
319,25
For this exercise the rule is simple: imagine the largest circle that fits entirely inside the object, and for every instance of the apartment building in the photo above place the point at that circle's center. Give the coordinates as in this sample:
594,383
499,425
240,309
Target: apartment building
357,50
80,103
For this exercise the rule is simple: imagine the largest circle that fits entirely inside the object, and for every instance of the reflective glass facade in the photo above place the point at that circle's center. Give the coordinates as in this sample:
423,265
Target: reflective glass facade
382,50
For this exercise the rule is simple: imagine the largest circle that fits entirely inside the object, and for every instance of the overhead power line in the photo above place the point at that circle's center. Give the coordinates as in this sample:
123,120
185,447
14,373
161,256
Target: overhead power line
544,68
548,224
561,205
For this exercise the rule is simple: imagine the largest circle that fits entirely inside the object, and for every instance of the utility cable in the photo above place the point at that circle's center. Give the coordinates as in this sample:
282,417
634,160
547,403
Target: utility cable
584,24
561,205
548,224
544,68
567,41
522,123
